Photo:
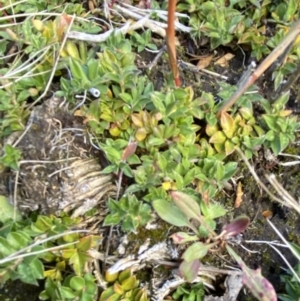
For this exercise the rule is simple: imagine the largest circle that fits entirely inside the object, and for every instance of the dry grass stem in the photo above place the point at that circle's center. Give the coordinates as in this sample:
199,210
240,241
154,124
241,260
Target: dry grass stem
54,66
278,51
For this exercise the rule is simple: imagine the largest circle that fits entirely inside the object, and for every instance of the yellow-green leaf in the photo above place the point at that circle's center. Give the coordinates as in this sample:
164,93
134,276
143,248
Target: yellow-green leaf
141,134
211,129
227,124
217,138
229,147
137,120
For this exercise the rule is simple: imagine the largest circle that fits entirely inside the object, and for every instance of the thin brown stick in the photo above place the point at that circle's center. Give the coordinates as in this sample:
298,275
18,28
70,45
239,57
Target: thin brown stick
170,41
288,39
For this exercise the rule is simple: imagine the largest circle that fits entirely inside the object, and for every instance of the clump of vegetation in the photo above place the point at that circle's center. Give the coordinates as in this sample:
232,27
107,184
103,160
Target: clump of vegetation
177,150
124,285
186,292
292,285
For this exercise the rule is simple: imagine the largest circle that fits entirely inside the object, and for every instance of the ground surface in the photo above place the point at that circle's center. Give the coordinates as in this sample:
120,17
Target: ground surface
254,201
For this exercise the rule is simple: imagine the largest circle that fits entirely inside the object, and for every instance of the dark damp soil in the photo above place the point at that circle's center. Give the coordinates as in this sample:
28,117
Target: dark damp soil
19,291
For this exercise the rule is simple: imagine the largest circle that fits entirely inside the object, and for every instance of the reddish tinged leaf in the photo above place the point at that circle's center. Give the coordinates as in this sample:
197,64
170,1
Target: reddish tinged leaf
259,286
129,150
189,270
237,226
64,22
182,237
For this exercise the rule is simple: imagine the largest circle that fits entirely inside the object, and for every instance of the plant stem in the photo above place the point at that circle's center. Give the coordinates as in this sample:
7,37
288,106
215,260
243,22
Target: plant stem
170,41
288,39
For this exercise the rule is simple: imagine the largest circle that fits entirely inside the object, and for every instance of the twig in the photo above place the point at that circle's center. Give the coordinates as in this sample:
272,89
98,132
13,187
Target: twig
170,42
137,13
192,68
279,50
257,179
99,38
295,253
45,13
19,254
289,200
155,60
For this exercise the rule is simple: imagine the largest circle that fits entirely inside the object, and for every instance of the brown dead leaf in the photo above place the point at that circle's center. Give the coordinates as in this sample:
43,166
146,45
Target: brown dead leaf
63,23
223,61
129,150
239,195
204,62
267,214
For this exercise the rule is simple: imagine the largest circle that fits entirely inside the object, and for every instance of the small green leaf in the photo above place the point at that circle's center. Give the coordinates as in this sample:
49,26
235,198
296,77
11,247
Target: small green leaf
11,157
189,270
90,287
7,210
78,71
67,292
77,283
196,251
217,138
85,243
112,219
271,122
170,213
126,97
281,101
212,210
158,100
186,204
129,283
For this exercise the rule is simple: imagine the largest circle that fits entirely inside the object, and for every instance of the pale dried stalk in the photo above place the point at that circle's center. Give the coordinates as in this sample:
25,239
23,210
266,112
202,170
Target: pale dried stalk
279,50
143,21
289,201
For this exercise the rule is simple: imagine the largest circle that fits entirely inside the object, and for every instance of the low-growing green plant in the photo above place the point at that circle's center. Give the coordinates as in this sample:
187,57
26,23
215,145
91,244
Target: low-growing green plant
189,292
10,158
24,259
185,211
129,212
142,41
292,286
281,126
123,286
72,288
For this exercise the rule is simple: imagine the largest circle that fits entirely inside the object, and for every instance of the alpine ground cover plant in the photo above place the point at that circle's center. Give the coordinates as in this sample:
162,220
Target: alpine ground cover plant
181,144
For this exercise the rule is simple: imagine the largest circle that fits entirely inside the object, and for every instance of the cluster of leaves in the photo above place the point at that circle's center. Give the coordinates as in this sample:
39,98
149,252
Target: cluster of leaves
188,213
128,212
187,292
173,151
242,21
36,41
123,286
292,286
245,23
25,253
142,41
10,157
